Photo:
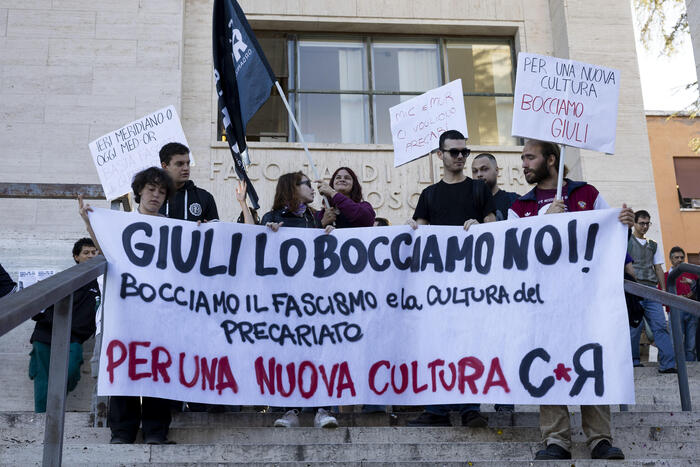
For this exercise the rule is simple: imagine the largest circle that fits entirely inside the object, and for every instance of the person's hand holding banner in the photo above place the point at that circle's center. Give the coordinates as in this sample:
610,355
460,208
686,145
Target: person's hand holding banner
531,312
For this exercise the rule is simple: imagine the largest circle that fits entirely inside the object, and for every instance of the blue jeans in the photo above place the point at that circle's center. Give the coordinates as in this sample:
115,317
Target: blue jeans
689,328
444,410
654,314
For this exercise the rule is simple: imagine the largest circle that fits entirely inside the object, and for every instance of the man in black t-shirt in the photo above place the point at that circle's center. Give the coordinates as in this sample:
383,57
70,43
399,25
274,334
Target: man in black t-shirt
454,200
485,167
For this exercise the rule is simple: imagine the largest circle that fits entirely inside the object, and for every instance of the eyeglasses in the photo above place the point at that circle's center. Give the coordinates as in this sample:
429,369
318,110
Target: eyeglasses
456,152
305,182
644,224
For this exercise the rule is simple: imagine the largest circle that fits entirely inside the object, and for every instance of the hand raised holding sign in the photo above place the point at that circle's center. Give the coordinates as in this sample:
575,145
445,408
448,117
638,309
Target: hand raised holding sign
84,209
325,189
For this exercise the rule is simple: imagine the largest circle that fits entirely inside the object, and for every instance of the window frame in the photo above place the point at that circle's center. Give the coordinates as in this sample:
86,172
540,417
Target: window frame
368,39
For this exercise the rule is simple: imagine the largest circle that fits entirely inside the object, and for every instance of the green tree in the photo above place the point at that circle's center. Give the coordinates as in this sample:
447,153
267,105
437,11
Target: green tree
655,26
654,23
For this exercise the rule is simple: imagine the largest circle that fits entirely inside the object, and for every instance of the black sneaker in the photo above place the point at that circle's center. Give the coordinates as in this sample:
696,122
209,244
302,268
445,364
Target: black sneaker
554,452
430,419
506,409
119,440
604,450
639,365
669,371
154,439
474,419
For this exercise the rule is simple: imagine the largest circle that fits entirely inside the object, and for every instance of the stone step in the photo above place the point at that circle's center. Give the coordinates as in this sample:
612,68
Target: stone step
648,418
94,454
471,463
357,435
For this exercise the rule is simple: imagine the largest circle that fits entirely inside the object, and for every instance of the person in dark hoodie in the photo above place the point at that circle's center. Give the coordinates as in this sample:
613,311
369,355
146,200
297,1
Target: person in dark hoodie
190,202
85,302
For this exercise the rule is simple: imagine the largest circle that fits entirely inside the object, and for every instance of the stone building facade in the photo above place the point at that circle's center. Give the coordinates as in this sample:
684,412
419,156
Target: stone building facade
72,70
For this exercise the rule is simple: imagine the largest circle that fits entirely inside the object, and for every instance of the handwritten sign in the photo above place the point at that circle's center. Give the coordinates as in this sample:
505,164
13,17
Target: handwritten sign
121,154
566,102
416,124
509,312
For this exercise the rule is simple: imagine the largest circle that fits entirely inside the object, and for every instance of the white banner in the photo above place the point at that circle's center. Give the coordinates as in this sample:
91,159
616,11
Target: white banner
121,154
528,312
416,124
566,102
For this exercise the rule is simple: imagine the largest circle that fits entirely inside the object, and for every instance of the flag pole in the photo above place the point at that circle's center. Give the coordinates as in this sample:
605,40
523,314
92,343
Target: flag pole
301,138
560,177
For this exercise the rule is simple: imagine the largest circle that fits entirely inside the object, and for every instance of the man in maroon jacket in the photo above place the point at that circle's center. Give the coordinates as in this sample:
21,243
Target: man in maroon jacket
541,167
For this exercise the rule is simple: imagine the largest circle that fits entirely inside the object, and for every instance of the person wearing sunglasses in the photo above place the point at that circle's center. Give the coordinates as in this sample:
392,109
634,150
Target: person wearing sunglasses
456,199
290,208
460,201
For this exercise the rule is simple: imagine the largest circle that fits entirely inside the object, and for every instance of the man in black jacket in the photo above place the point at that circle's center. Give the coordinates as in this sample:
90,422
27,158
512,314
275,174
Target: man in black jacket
85,302
190,202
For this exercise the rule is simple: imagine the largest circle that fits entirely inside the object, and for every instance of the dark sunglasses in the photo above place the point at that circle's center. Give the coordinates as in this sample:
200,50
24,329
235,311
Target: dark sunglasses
456,152
306,182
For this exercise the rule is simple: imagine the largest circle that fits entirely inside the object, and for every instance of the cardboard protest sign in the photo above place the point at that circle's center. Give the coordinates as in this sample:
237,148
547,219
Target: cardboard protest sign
416,124
528,312
566,102
121,154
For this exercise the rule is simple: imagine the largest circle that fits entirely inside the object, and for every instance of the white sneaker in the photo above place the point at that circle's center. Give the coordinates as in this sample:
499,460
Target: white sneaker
288,420
325,420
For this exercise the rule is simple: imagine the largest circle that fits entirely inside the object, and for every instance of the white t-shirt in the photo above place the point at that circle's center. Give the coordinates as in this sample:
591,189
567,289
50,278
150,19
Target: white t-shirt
658,256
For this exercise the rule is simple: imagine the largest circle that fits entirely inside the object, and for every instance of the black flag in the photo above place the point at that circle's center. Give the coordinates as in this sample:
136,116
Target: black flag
243,79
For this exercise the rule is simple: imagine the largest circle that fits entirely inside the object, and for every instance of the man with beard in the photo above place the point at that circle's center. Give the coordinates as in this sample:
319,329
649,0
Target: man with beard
454,200
541,167
485,168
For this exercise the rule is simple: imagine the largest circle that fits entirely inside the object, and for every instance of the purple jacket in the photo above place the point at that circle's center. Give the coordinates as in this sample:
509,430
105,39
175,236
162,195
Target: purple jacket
352,214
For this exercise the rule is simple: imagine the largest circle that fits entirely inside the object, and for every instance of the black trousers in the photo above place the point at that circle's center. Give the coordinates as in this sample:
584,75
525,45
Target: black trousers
126,413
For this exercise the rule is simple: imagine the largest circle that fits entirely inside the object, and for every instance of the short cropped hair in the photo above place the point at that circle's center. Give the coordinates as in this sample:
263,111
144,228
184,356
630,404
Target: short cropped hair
172,149
489,156
641,213
155,176
676,249
78,246
450,134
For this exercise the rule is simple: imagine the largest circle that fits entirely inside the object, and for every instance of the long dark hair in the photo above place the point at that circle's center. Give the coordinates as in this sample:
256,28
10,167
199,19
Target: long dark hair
356,190
286,192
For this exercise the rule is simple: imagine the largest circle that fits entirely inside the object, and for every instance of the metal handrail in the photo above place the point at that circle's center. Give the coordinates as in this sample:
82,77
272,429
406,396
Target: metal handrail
677,333
17,308
676,305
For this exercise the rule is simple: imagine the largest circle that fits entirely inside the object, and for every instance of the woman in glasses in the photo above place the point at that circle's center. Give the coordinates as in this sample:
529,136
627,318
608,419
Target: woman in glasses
291,208
344,194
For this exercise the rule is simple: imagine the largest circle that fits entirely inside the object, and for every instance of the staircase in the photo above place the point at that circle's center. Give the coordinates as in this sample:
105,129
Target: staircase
653,432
